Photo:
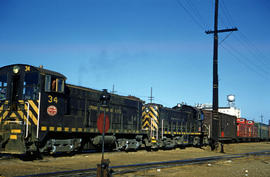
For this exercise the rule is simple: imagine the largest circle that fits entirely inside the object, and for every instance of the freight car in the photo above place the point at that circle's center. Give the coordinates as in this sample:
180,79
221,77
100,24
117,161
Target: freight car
232,129
39,112
227,126
269,131
263,134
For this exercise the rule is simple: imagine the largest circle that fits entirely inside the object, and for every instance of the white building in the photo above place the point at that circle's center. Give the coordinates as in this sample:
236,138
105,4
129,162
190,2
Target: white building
231,109
226,110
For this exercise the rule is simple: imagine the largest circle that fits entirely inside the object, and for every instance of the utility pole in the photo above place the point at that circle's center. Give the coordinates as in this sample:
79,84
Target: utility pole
215,132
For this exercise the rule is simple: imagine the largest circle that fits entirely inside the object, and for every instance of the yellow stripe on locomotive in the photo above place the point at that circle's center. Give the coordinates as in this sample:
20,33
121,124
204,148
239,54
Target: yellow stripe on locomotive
150,117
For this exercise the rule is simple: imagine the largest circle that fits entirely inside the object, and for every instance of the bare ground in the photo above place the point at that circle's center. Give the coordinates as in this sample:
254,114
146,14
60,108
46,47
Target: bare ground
249,166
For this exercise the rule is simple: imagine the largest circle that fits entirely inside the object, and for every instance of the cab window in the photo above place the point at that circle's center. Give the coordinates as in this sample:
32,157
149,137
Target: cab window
47,83
60,85
30,86
53,84
3,87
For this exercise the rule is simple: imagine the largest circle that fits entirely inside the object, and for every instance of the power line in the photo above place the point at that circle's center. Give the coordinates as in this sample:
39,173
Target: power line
254,50
197,13
193,17
255,60
226,13
245,42
258,62
242,60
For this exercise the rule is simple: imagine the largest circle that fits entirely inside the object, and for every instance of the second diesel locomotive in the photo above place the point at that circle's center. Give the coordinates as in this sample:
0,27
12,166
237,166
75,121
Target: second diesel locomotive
179,126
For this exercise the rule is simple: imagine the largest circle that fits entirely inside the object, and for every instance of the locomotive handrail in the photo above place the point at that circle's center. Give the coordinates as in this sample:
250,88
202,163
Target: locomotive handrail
39,98
162,131
27,119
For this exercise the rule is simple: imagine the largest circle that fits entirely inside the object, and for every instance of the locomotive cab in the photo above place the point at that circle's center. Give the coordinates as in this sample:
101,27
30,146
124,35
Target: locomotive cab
22,90
19,87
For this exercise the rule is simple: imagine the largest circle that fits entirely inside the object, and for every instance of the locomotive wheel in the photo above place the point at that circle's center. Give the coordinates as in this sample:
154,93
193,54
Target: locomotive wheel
148,148
182,147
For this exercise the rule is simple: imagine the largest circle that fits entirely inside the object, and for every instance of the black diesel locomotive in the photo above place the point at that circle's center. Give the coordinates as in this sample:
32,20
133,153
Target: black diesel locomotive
179,126
40,112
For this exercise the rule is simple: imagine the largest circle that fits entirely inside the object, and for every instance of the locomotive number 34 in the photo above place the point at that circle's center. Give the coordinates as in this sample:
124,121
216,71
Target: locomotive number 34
52,99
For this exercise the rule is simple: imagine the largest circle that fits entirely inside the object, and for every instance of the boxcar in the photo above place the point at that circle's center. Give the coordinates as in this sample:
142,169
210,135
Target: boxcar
263,131
227,126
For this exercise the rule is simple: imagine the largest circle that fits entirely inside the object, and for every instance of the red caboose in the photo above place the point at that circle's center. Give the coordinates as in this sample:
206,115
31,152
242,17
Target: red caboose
246,130
252,130
241,128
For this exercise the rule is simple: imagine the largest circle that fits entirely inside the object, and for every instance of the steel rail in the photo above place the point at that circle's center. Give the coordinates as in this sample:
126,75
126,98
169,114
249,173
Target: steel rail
151,165
165,164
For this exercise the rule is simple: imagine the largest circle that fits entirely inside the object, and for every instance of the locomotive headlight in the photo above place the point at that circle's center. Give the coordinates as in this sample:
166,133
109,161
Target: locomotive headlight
16,69
146,109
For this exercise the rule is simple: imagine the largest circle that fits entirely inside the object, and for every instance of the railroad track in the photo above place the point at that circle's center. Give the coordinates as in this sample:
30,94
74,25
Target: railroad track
122,169
25,157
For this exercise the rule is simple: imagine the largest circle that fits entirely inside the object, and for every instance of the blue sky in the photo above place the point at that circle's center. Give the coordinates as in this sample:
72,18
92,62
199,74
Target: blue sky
140,44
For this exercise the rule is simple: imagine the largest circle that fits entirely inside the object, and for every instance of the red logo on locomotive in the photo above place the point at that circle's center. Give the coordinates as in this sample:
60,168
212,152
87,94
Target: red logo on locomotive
52,110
